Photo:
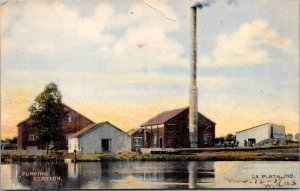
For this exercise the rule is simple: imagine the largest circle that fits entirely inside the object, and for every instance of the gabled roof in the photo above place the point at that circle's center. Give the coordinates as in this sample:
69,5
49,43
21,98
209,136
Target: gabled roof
166,116
91,127
163,117
77,112
84,130
28,119
132,131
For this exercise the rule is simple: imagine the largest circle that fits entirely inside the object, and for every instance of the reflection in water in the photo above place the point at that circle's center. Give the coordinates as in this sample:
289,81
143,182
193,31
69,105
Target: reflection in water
192,174
113,175
37,175
136,174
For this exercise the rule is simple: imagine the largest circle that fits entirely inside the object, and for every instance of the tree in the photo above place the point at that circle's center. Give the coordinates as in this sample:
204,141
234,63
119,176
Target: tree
230,137
13,140
297,136
289,137
48,114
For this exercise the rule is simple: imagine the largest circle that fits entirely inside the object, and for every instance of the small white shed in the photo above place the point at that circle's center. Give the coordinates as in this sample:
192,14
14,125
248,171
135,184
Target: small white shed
259,133
101,138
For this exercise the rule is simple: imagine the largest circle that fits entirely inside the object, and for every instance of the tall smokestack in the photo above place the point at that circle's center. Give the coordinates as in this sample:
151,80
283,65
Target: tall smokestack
193,110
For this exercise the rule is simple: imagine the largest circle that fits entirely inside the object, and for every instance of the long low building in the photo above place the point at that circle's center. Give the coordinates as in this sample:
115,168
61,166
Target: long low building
259,133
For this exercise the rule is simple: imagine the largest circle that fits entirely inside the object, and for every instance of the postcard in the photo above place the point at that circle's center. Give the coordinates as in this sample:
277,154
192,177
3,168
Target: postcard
149,94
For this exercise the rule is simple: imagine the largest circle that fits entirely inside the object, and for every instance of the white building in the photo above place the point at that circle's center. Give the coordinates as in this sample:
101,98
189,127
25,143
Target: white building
259,133
101,138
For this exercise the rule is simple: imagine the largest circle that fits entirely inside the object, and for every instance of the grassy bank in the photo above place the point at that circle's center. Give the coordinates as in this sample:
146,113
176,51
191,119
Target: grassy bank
275,154
30,158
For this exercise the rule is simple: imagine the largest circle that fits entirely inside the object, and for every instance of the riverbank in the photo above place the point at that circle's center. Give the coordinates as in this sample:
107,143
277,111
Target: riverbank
278,153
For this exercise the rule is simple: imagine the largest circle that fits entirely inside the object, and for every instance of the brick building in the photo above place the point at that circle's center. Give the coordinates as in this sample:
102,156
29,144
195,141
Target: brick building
27,137
170,129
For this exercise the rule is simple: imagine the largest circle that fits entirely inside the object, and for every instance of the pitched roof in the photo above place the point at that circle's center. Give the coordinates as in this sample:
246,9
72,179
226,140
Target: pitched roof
132,131
90,127
84,130
167,115
258,126
77,112
28,119
163,117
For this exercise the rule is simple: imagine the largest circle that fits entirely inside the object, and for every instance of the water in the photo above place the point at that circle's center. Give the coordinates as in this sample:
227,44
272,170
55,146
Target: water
150,175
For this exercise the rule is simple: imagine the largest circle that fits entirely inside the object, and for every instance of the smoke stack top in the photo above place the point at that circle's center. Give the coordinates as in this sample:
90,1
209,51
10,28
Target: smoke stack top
206,3
197,5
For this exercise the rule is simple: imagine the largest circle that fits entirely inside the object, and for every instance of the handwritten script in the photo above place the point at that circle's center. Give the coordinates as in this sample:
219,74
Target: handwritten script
267,180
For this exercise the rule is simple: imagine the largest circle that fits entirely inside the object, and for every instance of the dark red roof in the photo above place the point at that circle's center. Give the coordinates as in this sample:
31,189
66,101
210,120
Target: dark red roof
29,119
167,115
163,117
84,130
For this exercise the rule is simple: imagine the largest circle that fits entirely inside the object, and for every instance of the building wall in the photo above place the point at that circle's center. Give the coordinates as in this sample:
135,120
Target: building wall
278,131
260,133
175,132
140,133
206,132
77,122
177,128
73,145
92,140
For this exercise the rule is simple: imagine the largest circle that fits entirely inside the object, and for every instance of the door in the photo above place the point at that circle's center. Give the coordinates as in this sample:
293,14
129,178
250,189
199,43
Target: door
105,145
175,143
160,142
251,142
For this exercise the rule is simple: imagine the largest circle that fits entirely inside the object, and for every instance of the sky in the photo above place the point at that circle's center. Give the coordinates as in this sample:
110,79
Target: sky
126,61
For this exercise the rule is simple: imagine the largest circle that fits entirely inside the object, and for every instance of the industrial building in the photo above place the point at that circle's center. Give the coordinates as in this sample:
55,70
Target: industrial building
170,129
259,133
27,135
100,138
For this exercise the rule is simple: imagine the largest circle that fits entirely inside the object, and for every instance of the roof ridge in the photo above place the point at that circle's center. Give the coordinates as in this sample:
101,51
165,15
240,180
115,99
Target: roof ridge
258,126
91,127
162,114
78,112
28,118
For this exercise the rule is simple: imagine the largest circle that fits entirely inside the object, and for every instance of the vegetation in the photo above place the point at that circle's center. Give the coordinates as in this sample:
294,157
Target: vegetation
48,114
297,137
279,153
13,140
288,137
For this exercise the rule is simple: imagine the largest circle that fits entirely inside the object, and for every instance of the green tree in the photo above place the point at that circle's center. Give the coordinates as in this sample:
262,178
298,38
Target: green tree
289,137
48,114
297,136
13,140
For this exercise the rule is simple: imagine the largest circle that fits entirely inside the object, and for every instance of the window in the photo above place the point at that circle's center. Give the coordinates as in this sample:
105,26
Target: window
138,141
32,137
69,118
207,139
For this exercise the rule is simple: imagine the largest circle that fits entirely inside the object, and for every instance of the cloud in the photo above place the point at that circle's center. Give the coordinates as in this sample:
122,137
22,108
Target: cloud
52,28
247,46
146,43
